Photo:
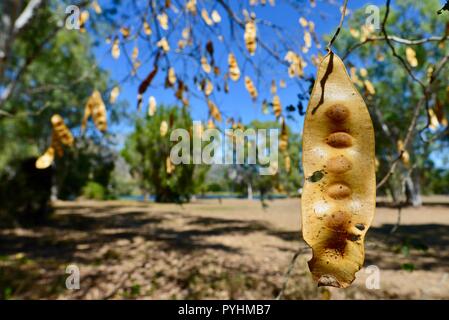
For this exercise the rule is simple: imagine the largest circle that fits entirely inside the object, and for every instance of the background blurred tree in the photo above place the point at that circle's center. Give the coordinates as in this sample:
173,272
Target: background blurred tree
419,37
147,149
47,69
246,179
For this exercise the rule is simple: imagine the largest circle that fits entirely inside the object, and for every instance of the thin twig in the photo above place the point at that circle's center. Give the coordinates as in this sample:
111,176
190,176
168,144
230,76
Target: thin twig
289,271
342,19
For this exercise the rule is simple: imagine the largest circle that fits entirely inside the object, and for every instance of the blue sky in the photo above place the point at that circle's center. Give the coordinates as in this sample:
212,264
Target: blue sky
237,103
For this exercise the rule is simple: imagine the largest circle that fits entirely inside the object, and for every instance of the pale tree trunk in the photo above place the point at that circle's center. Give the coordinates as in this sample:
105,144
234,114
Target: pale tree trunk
413,190
250,191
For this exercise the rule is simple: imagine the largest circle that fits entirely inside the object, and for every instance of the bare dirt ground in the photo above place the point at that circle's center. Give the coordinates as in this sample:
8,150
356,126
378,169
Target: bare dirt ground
212,249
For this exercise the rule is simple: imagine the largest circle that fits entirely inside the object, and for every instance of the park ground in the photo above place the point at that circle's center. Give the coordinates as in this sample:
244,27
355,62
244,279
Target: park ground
229,249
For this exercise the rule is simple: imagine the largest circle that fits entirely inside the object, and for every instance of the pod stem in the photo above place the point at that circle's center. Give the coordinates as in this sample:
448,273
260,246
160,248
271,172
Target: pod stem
342,19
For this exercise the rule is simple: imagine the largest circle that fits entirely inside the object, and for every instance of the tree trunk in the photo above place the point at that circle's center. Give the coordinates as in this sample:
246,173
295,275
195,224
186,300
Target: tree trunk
413,190
250,191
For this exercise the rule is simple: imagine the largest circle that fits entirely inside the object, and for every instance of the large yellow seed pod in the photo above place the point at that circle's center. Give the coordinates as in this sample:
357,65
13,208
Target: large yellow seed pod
61,132
339,194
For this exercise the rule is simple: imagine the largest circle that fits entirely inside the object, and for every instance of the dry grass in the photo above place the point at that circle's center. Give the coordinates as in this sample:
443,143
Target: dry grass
210,249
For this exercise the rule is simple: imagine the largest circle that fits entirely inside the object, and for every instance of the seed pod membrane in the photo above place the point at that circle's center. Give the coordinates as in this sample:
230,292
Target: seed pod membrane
339,194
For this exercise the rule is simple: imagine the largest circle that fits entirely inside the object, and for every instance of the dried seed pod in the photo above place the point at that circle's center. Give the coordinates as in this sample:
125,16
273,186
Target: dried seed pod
147,29
191,6
208,87
250,87
277,109
45,160
339,194
297,65
163,43
61,132
115,51
405,157
205,65
214,112
114,94
283,141
163,129
234,71
96,7
287,163
411,56
216,16
250,36
163,20
152,106
171,77
206,18
169,166
125,32
96,108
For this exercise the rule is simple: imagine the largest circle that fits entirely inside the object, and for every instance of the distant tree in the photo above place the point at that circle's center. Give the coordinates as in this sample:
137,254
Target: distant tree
399,95
246,178
147,152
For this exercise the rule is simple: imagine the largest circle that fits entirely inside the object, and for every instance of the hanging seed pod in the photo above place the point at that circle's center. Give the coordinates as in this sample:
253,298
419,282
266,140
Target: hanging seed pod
115,51
297,65
206,17
411,57
210,124
277,109
250,36
191,6
405,157
56,144
147,29
205,65
163,20
338,149
163,129
114,94
135,53
369,87
216,16
45,160
283,141
125,32
61,131
152,106
208,87
250,87
287,163
273,88
213,110
163,44
96,108
171,77
234,71
169,166
96,7
84,16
